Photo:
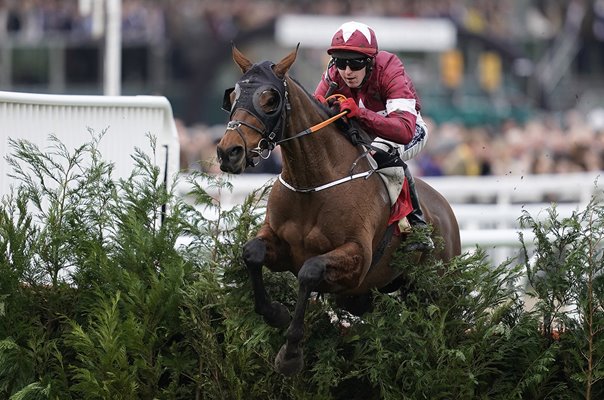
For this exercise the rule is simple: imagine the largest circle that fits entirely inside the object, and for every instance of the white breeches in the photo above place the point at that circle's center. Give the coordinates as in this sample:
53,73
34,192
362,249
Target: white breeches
411,149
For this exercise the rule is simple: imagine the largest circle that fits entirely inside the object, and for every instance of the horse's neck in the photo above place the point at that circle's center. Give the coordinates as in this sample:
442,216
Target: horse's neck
317,158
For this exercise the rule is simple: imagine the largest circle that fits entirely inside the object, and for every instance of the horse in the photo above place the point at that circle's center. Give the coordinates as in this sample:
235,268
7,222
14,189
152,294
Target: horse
327,213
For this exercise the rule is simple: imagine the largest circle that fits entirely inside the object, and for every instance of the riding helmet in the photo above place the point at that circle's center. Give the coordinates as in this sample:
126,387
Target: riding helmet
353,37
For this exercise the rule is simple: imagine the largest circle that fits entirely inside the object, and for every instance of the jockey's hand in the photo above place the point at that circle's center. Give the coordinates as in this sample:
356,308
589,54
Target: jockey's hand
350,106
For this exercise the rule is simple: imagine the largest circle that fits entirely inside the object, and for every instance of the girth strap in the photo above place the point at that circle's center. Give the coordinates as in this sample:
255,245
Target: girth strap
379,250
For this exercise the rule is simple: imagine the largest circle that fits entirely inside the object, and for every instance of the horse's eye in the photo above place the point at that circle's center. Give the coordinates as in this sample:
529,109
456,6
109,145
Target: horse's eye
271,101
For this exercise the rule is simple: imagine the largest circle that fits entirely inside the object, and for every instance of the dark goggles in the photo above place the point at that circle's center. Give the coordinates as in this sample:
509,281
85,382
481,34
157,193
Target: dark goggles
355,64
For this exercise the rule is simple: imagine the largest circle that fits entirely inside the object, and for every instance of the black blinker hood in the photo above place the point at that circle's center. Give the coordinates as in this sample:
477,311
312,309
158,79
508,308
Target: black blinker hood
248,89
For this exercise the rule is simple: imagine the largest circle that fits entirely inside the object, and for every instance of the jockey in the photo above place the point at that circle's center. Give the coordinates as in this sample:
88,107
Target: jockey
381,96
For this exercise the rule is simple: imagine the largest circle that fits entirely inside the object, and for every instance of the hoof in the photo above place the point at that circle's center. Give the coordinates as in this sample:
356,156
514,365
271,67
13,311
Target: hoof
289,366
277,316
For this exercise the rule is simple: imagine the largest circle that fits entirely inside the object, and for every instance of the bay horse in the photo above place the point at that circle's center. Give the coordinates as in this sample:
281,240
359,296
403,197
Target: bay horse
327,213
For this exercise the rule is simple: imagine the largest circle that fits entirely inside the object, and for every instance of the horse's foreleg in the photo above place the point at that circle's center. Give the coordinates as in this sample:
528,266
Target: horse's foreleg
254,255
290,359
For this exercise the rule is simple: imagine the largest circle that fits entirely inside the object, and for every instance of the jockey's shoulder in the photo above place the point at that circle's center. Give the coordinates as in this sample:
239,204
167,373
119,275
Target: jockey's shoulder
388,65
386,58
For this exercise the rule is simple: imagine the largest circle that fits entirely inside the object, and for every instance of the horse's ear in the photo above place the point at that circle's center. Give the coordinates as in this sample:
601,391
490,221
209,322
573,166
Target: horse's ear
241,60
283,66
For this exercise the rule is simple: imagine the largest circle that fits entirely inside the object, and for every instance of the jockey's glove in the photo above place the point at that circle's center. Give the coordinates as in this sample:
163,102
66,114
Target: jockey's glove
351,106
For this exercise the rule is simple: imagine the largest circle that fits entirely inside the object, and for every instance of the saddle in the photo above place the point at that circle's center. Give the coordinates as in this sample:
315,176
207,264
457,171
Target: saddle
390,167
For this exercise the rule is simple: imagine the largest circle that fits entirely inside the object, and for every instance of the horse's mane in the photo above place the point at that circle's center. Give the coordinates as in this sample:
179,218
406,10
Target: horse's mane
328,112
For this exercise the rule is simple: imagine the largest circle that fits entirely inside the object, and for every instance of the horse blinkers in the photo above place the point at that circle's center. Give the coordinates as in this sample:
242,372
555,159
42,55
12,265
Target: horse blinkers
262,95
227,103
265,104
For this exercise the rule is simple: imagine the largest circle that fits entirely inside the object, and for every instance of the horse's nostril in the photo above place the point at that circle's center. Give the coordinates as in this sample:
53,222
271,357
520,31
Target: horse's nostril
219,153
232,154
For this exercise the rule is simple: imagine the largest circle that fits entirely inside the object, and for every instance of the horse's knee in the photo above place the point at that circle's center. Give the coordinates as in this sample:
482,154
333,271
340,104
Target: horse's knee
311,273
254,253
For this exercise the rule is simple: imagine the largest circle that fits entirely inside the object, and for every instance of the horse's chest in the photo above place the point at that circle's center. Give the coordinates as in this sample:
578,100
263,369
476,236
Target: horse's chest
305,238
313,226
316,226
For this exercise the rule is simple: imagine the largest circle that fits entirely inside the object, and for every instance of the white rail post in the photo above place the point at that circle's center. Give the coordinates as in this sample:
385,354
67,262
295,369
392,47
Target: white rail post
106,18
113,48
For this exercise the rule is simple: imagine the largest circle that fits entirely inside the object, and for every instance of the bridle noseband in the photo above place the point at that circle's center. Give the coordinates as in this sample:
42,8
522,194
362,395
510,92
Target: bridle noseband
262,150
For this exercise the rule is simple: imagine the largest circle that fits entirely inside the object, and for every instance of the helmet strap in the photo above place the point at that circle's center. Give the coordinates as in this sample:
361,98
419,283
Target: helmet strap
368,70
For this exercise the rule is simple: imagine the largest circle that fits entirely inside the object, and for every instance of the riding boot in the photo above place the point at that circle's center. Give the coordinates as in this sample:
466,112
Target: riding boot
423,242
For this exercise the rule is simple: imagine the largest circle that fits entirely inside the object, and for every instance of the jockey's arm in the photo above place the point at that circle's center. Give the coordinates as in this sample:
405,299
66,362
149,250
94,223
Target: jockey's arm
397,126
397,121
322,87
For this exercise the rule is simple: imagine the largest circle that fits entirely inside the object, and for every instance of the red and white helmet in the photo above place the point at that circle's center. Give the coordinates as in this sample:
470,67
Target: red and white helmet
355,37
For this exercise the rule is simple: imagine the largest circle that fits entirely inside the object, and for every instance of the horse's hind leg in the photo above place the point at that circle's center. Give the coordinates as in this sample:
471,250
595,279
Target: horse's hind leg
356,305
254,255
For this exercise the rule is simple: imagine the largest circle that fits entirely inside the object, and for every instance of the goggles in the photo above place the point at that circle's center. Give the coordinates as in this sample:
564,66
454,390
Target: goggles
355,64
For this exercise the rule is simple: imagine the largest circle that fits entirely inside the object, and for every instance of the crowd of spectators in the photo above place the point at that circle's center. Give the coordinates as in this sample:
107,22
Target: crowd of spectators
148,19
31,20
548,144
176,21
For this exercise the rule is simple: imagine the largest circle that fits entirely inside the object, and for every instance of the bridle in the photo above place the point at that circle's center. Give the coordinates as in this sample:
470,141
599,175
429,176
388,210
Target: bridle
249,89
264,148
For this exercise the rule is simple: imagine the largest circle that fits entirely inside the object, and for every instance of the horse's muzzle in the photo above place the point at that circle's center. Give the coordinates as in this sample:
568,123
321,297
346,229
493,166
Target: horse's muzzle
232,160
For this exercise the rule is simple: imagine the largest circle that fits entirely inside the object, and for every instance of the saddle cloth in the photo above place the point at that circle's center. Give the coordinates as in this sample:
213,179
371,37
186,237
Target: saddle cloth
400,196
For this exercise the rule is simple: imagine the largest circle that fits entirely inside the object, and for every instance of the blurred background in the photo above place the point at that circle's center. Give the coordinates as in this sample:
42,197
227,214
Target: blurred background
508,87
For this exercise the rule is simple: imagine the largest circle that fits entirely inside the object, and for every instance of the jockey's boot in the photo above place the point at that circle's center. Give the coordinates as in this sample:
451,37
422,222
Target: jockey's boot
420,239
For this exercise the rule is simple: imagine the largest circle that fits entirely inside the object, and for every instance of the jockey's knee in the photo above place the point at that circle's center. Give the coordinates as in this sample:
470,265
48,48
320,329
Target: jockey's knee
416,145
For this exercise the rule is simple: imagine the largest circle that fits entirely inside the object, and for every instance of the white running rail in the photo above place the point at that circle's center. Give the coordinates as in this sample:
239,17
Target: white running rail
127,121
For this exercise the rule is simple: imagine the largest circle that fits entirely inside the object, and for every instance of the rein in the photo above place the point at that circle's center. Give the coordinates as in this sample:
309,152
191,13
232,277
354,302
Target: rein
314,128
348,178
265,145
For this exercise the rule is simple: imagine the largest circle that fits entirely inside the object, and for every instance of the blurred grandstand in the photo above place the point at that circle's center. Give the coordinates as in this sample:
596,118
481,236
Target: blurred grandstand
513,70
